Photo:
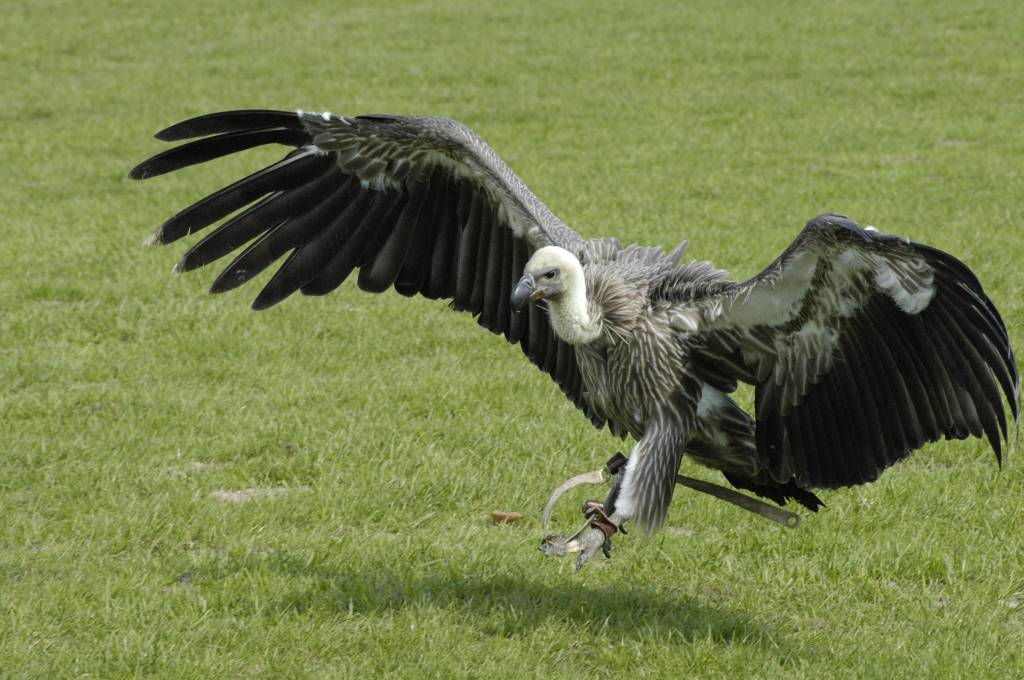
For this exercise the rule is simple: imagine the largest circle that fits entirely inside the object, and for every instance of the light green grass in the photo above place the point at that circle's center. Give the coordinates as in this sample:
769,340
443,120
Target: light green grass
397,426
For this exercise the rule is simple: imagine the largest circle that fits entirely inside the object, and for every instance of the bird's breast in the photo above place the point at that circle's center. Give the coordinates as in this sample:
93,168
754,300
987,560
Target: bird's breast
626,382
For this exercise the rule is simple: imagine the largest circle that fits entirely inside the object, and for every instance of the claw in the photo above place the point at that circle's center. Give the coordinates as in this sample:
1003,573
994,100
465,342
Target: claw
606,547
556,545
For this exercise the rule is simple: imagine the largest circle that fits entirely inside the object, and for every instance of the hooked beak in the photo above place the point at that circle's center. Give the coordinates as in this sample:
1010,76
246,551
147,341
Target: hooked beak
525,292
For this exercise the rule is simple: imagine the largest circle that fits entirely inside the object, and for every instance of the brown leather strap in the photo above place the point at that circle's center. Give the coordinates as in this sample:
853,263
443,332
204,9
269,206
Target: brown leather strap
598,520
594,511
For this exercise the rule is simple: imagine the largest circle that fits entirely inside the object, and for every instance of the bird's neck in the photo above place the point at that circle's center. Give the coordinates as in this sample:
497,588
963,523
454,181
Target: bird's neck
570,312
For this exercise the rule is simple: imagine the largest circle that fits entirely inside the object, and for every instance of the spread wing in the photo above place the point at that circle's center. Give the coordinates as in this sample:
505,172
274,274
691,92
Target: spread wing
421,204
862,347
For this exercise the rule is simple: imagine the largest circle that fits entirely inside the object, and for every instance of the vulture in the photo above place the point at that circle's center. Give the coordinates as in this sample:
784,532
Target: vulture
861,346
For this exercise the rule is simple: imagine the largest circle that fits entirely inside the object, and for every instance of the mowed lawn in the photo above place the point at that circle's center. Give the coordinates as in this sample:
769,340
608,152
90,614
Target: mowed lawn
382,431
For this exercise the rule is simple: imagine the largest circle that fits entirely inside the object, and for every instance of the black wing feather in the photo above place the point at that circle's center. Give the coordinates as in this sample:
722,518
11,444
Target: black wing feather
383,266
229,121
476,298
411,279
295,169
440,278
499,286
203,150
468,248
250,223
293,233
356,226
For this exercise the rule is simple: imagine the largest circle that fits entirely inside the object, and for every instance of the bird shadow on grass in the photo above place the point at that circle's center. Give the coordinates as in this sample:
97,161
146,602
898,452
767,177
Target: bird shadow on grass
513,605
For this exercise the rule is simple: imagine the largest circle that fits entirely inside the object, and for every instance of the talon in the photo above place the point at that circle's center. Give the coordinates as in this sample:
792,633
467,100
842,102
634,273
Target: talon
554,545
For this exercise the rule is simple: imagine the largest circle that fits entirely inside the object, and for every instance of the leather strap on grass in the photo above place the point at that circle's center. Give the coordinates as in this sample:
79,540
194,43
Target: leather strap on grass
788,519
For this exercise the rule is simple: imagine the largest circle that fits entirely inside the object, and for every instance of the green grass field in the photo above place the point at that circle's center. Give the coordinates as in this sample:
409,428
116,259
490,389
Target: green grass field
396,426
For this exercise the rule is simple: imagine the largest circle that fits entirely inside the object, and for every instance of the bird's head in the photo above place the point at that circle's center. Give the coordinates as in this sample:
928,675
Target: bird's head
548,274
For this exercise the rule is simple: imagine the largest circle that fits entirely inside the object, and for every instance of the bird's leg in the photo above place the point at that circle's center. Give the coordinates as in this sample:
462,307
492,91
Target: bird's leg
601,523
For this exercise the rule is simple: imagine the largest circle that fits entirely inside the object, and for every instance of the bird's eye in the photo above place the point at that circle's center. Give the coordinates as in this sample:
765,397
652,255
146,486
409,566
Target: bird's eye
550,274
